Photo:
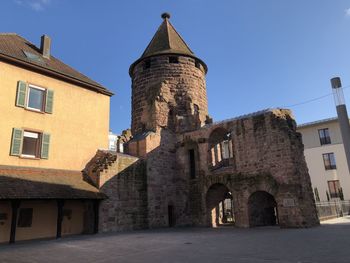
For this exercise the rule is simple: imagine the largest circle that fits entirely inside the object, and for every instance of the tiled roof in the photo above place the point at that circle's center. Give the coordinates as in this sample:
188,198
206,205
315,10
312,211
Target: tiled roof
16,49
39,183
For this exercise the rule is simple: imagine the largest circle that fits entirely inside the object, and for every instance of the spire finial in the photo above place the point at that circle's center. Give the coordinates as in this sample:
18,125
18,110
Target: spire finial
165,15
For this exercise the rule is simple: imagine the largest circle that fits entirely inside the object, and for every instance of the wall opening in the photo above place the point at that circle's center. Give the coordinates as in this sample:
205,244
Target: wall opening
192,163
174,60
147,64
197,64
195,109
171,215
220,209
262,209
220,149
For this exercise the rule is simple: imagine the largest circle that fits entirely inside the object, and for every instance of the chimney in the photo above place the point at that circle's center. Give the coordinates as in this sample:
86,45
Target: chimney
45,46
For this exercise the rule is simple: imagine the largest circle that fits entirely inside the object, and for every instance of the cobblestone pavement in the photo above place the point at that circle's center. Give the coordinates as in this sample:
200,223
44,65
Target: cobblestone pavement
328,243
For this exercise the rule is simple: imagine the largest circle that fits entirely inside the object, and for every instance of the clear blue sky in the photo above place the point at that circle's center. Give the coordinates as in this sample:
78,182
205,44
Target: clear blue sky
260,54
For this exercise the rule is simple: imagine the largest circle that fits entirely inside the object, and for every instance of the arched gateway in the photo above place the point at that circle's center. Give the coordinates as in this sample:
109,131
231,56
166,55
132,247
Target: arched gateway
219,206
262,209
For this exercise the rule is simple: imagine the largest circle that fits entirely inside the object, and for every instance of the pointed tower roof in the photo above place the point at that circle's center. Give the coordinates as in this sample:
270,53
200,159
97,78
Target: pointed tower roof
166,41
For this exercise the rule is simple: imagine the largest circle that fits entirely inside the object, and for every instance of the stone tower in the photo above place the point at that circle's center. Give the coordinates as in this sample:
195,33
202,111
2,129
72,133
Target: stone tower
168,85
168,98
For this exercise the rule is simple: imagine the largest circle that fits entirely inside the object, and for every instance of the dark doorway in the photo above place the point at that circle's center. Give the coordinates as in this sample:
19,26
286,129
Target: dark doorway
262,209
171,216
192,163
219,206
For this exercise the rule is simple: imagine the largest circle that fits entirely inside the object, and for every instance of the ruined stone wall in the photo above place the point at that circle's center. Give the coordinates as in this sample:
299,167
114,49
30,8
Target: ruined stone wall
161,180
122,178
267,156
171,95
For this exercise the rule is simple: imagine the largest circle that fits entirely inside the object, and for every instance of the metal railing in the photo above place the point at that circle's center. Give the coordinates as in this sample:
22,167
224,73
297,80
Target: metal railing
332,209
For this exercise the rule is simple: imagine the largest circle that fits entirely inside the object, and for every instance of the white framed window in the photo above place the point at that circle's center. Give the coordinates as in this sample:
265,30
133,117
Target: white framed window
30,144
35,98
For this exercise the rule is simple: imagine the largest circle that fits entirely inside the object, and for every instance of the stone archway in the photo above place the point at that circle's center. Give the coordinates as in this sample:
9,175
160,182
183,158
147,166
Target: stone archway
262,209
220,149
219,205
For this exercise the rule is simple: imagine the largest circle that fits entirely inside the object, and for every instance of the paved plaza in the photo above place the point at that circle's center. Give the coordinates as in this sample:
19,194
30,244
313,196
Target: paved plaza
328,243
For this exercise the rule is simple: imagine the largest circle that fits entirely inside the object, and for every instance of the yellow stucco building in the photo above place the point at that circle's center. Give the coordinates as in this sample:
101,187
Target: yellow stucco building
53,121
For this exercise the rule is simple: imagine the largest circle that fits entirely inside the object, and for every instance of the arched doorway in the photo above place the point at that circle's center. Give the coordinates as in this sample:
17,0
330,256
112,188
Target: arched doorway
219,206
262,209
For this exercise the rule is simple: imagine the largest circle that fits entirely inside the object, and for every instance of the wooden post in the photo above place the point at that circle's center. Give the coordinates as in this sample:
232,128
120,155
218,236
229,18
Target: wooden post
60,204
15,205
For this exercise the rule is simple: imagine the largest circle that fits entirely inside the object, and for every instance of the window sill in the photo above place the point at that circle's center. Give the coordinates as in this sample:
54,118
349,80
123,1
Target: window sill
33,110
29,157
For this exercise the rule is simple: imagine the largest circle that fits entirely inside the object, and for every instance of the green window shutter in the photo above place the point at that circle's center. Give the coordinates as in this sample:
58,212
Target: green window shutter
49,101
21,94
16,144
45,143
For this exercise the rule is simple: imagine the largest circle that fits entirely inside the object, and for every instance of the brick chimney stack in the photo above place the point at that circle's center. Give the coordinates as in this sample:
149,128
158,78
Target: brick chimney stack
45,46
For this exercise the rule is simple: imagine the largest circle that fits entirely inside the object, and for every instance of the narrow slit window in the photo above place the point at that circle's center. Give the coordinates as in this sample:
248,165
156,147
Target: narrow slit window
195,109
147,64
197,64
192,164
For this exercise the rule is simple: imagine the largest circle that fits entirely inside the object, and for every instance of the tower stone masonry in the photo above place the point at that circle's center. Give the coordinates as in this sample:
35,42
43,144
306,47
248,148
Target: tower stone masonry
168,85
181,169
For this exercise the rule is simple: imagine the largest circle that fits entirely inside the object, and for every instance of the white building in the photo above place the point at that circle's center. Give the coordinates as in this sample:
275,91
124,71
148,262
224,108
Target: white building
326,160
112,141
